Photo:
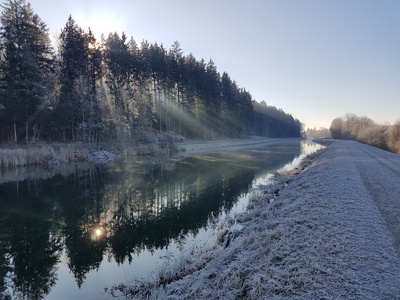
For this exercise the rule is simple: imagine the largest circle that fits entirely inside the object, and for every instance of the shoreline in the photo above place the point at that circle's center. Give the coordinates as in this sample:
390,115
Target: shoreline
56,153
47,160
314,234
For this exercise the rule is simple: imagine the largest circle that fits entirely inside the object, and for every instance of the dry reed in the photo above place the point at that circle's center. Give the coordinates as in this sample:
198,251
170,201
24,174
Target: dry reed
22,157
39,155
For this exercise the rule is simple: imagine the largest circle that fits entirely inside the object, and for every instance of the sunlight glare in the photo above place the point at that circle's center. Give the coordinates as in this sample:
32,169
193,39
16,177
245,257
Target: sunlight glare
100,22
97,234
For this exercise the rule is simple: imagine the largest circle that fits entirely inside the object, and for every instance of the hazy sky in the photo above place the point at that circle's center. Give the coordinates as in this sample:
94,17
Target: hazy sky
315,59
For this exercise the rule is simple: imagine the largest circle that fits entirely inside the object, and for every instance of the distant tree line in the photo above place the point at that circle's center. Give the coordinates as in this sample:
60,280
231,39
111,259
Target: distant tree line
109,90
314,133
367,131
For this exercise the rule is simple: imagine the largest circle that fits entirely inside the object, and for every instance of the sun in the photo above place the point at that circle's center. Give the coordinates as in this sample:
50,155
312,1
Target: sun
100,22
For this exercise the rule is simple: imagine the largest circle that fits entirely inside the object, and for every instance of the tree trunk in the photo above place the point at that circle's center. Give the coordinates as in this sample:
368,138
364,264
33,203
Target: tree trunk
72,130
26,133
83,126
15,133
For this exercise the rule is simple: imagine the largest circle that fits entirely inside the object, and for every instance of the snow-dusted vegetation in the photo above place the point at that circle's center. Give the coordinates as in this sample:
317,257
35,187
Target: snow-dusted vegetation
367,131
330,232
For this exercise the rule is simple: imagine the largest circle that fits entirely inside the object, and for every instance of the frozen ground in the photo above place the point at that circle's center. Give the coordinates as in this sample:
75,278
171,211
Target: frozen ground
330,232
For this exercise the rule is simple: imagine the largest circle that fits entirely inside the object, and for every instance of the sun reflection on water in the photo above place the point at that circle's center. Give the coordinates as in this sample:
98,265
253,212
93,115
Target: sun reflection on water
97,233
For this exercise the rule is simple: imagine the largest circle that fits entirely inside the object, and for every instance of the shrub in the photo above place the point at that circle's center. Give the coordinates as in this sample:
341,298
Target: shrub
394,138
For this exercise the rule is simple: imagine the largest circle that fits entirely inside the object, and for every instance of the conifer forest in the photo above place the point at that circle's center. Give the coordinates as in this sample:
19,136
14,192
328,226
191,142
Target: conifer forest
115,89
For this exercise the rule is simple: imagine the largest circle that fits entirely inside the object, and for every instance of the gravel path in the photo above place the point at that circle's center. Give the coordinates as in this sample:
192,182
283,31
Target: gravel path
381,176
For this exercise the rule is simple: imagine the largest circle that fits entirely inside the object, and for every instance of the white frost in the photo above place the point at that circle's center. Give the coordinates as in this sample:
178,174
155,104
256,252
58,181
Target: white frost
333,232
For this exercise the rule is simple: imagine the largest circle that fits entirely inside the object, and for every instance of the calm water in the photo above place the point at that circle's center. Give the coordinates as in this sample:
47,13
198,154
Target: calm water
67,233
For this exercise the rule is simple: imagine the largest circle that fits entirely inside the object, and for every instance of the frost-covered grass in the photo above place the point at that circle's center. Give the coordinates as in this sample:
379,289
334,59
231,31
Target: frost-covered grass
22,157
318,235
173,269
16,157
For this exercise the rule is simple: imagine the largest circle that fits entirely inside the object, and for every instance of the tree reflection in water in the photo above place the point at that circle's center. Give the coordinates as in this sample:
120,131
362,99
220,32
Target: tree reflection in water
30,250
117,210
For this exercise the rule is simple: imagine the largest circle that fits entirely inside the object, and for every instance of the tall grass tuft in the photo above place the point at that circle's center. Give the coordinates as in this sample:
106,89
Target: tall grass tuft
21,157
39,155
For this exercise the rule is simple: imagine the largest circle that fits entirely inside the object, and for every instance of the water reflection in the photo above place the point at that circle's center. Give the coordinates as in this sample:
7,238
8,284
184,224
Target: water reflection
120,210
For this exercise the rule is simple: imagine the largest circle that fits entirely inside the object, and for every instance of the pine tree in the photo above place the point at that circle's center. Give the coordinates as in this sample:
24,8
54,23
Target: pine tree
94,59
117,57
80,68
26,65
175,62
157,63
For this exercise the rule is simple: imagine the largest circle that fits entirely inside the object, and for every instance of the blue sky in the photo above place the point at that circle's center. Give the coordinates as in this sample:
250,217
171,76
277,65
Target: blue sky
315,59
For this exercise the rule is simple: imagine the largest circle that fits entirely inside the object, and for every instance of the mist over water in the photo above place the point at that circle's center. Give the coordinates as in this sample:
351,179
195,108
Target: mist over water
86,227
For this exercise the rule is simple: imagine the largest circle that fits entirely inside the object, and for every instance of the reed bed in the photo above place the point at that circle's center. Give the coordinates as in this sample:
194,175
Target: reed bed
22,157
40,155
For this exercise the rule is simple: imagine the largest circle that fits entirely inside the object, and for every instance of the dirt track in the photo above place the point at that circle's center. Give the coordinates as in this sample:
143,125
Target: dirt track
380,173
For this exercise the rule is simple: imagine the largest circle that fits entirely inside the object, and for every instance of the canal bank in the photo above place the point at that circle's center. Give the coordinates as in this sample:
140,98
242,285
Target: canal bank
88,227
330,232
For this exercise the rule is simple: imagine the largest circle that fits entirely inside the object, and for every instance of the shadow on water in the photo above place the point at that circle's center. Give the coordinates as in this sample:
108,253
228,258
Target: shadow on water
85,213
